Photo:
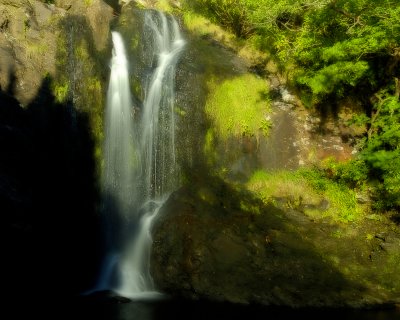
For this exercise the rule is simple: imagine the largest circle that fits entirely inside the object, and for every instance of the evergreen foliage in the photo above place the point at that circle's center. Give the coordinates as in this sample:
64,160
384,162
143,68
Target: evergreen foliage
331,50
381,152
231,14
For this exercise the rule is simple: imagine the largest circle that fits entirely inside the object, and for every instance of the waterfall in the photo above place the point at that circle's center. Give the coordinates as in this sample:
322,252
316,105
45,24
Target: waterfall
158,121
120,145
140,167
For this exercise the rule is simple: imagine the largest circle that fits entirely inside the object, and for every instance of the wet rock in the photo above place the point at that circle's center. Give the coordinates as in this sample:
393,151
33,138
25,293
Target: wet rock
98,15
286,96
275,257
362,198
29,39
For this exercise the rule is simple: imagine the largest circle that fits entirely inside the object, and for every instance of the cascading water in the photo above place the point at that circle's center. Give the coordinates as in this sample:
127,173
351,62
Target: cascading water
119,172
140,167
158,120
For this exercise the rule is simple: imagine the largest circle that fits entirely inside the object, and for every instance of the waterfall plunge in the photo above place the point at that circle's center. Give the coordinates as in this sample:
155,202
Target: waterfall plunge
120,144
158,121
140,167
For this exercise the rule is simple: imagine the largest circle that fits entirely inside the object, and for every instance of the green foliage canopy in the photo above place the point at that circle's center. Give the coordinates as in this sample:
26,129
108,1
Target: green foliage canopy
328,47
381,152
335,46
332,50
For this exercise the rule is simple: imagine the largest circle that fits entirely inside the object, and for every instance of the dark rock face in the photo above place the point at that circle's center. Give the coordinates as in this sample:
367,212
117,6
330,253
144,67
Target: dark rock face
97,13
27,43
30,33
209,243
47,198
48,173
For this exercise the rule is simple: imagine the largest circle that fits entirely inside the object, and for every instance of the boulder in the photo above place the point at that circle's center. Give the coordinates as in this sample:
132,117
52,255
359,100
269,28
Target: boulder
217,243
97,13
30,34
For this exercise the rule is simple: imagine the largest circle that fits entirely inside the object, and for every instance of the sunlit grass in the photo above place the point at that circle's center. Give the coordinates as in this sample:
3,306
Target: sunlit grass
308,191
36,49
203,27
61,92
164,5
239,106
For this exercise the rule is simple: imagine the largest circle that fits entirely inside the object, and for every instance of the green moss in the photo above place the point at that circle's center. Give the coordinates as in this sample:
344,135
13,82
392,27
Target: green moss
164,5
94,89
306,190
265,126
80,70
209,146
180,111
249,207
136,87
134,42
81,50
343,202
61,92
337,234
207,195
36,49
388,281
281,184
369,236
202,27
239,106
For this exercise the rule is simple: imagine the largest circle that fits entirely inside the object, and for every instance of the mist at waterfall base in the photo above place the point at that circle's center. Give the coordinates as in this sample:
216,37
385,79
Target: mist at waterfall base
140,167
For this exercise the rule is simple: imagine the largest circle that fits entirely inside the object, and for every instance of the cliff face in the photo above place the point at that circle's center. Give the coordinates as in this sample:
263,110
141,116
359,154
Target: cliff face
212,241
28,45
31,36
52,79
209,243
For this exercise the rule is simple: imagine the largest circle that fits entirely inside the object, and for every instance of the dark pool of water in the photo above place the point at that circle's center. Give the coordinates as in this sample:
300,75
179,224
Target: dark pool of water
113,308
104,307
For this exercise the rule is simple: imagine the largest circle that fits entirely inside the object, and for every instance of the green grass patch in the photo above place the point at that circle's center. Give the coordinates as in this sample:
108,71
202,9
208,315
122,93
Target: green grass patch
201,26
309,191
239,106
61,92
36,49
164,5
386,275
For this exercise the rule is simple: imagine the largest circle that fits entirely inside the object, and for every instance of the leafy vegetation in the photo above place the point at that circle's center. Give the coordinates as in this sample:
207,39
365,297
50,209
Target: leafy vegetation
79,78
238,107
327,47
329,51
231,14
203,27
61,92
309,191
381,150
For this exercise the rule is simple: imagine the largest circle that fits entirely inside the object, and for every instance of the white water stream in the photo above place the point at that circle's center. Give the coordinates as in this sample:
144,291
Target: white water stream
140,166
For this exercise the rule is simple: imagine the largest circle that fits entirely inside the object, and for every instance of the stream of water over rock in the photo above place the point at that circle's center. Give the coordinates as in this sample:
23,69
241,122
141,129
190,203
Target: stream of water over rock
140,167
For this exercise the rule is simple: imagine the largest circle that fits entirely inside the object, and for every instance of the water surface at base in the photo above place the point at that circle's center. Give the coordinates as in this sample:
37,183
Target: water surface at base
117,308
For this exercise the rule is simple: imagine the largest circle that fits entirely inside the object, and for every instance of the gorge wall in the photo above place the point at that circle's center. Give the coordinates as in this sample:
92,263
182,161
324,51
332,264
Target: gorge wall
214,239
